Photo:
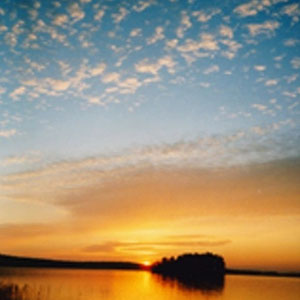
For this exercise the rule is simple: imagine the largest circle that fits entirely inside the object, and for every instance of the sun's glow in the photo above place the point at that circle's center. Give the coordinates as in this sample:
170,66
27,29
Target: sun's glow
146,263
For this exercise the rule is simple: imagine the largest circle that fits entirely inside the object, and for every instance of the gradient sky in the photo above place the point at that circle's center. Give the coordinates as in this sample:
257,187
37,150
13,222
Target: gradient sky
130,130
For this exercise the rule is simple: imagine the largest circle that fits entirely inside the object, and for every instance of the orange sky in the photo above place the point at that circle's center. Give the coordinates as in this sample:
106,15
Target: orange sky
249,214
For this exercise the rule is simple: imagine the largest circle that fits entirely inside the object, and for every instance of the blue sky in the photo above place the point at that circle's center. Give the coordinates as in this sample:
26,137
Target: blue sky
98,76
91,90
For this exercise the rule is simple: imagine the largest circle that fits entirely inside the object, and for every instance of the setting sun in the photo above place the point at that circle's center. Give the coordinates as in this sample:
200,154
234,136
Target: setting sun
146,263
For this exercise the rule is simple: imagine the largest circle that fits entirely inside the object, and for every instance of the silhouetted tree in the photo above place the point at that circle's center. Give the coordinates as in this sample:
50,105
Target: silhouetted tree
193,269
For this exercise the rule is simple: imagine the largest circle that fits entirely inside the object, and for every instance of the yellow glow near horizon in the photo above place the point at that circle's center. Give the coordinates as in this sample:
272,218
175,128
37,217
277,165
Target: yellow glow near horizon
250,216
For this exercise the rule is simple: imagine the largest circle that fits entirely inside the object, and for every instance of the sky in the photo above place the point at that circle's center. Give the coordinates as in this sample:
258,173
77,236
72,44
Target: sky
132,130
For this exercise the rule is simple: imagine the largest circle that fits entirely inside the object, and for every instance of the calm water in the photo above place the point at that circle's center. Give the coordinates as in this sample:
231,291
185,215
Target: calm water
44,284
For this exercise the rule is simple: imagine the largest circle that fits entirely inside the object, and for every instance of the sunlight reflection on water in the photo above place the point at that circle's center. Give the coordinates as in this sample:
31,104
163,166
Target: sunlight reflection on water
50,284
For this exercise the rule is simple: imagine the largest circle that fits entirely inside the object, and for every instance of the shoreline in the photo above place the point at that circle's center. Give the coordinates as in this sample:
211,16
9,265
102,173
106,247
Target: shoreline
8,261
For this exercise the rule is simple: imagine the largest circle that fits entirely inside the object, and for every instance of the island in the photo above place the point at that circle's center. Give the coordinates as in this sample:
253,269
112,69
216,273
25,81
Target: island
194,270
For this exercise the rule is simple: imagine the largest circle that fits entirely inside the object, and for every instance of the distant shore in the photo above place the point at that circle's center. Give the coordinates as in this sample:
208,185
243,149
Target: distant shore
261,273
27,262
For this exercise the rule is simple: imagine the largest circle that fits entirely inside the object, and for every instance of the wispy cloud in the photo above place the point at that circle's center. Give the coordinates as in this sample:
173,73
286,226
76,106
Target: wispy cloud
3,28
205,16
76,12
253,7
295,62
232,48
142,5
135,32
164,243
170,178
120,16
18,92
153,68
158,35
211,152
99,14
58,85
207,42
293,11
247,9
212,69
260,68
11,38
60,20
129,85
7,133
271,82
259,107
20,159
185,24
267,28
226,31
111,77
291,42
98,70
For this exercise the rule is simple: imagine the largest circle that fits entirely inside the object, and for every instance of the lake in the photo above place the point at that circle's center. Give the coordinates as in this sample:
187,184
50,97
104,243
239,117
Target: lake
55,284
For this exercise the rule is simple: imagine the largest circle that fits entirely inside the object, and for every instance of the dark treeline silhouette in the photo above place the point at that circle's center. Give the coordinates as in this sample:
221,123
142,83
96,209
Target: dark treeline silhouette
13,261
203,271
190,265
262,273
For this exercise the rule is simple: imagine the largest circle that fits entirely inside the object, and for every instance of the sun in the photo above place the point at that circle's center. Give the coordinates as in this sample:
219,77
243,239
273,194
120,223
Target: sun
146,263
